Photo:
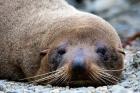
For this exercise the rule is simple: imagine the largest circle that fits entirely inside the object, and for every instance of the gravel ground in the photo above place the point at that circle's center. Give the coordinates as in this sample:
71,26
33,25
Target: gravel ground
130,81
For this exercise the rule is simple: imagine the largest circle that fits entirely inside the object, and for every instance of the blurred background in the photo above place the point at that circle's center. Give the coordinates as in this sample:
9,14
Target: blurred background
124,15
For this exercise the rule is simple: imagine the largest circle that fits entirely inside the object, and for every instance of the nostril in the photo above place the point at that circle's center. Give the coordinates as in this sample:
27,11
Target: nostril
78,65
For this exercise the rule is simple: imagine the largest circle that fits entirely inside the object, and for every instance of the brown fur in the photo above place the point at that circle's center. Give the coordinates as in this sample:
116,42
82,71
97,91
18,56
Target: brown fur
29,26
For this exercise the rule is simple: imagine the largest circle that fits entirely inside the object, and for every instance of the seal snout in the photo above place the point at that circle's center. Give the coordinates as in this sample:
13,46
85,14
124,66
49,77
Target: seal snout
78,63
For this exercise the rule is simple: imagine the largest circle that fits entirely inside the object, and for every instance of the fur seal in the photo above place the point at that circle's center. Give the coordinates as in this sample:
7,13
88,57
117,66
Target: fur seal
50,42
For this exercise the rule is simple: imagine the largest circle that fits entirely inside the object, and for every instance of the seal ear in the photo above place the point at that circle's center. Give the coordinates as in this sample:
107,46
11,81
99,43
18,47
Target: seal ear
44,52
121,51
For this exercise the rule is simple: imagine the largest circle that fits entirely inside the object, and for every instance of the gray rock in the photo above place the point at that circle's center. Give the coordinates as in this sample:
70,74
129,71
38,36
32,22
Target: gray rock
2,88
120,89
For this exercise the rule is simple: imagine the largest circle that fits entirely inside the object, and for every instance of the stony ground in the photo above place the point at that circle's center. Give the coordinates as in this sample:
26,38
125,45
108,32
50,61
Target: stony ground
130,81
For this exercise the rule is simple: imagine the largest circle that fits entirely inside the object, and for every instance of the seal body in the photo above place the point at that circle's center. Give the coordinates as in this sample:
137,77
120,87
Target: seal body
45,41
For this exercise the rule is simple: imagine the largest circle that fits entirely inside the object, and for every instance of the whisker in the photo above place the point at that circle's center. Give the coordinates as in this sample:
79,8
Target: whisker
56,78
67,78
42,74
38,75
98,78
61,79
109,77
114,70
42,79
101,75
94,76
102,79
112,76
64,78
106,78
48,77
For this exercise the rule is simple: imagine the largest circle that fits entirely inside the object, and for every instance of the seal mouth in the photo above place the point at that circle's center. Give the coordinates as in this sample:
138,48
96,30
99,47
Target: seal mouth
80,80
80,83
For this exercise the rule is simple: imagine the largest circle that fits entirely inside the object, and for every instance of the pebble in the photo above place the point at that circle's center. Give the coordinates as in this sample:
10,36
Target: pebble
2,88
55,91
102,89
1,92
120,89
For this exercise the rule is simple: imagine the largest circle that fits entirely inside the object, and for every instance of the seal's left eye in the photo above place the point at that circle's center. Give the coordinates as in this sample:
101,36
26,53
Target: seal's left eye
102,51
61,51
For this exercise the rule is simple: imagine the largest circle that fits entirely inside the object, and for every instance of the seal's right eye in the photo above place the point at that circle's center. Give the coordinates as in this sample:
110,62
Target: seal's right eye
61,51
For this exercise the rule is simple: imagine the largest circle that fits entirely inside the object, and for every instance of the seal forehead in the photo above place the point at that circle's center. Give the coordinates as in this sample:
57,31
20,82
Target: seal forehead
83,26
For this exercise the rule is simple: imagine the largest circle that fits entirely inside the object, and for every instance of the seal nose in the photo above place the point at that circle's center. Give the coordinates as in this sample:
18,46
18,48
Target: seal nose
78,64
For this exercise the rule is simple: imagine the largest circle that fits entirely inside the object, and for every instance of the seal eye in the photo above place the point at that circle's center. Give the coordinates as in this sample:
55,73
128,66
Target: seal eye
61,51
101,50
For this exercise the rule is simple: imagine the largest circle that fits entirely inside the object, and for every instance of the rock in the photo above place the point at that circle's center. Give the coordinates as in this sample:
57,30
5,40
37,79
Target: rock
54,91
136,60
120,89
102,90
2,88
1,92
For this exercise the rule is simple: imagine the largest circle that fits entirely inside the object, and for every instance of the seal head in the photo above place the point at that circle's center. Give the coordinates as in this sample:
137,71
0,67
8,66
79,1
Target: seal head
89,53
